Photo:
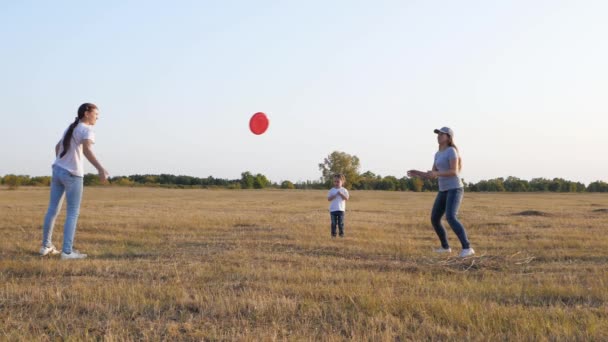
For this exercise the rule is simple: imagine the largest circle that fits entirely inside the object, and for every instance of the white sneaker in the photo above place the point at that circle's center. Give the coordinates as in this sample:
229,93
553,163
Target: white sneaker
443,250
44,251
467,252
72,256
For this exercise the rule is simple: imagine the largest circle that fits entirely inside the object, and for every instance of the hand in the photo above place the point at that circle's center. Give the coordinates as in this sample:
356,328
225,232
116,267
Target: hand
431,174
103,176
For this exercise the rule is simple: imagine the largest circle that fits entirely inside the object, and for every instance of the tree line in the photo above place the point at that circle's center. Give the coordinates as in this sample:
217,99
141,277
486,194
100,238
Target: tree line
366,181
336,162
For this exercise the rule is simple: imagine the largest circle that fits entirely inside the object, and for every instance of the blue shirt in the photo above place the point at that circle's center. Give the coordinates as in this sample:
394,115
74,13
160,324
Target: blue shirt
442,164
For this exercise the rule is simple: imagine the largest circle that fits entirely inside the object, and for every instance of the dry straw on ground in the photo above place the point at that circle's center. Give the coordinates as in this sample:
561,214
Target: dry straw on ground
259,265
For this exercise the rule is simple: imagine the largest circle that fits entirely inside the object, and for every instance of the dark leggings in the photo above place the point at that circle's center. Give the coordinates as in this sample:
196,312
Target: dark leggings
448,202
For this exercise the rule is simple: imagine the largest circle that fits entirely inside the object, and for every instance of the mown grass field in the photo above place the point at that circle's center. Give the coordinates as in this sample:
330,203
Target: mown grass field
259,266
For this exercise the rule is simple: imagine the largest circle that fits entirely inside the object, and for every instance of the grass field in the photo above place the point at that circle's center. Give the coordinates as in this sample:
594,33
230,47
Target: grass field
259,266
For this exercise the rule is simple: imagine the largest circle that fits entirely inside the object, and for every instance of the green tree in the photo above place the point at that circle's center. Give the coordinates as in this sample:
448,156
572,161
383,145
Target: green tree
123,181
340,162
430,185
416,184
260,181
539,184
388,183
404,184
40,181
287,185
495,185
555,185
150,179
12,181
367,181
247,180
91,179
598,186
514,184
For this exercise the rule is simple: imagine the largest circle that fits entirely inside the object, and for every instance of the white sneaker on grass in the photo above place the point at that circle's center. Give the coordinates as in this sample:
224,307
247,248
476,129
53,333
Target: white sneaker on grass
73,256
44,251
467,252
443,250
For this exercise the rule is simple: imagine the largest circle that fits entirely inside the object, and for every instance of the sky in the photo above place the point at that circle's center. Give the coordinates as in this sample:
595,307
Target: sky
522,84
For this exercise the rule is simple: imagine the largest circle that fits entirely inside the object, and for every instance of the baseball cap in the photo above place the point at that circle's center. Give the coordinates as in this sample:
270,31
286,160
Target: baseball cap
445,130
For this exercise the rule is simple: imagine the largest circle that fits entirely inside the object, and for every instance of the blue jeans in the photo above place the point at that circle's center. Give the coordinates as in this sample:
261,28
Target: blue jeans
337,221
448,202
63,182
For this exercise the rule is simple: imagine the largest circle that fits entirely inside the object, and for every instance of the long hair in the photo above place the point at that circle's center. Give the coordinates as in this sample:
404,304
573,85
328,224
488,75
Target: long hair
451,144
67,138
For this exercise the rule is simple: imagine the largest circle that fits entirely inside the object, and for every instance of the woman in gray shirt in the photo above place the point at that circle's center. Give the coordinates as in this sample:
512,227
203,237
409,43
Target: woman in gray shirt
446,168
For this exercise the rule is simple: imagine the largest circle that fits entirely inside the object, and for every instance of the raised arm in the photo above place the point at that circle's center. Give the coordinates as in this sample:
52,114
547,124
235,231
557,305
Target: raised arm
87,149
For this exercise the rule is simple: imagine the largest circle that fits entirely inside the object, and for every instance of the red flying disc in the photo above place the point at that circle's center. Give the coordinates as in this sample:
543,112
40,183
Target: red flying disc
258,123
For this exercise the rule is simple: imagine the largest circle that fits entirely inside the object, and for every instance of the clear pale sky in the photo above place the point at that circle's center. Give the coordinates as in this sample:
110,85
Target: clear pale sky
522,83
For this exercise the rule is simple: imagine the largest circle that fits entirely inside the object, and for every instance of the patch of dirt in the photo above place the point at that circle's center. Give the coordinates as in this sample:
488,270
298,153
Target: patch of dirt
603,210
367,211
496,224
532,213
247,227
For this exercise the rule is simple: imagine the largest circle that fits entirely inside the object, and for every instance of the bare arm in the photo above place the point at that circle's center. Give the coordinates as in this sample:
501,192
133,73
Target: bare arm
344,196
421,174
87,149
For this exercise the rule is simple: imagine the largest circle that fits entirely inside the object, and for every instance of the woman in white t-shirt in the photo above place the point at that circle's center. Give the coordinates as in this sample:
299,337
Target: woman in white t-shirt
68,176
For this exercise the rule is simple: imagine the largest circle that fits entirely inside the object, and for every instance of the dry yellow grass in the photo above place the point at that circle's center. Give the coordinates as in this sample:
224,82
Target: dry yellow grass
259,265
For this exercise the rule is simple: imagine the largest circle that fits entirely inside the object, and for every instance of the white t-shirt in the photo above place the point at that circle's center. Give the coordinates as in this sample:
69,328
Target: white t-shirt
73,160
338,203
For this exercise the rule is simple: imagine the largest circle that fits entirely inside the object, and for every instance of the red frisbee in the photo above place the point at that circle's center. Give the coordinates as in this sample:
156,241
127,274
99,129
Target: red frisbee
258,123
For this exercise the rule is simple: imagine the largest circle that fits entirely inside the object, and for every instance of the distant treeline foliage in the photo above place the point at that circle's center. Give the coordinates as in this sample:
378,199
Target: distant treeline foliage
365,181
336,162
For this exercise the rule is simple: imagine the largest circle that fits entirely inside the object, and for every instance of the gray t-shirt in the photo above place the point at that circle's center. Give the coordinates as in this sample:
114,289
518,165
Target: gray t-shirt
442,163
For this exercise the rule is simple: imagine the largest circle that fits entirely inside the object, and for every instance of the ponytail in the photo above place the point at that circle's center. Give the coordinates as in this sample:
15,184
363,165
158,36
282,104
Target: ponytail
67,138
451,144
459,158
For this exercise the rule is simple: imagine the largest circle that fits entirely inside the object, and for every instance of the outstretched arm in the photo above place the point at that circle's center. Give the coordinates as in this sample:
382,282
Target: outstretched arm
416,173
87,148
419,174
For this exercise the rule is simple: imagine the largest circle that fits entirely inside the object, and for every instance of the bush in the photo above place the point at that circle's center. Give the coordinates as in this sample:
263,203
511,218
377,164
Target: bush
12,181
91,179
598,186
287,185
